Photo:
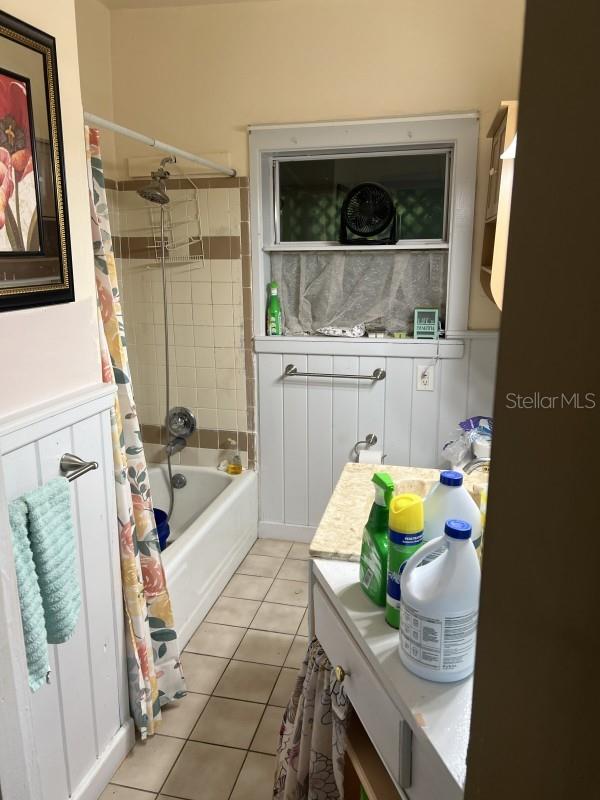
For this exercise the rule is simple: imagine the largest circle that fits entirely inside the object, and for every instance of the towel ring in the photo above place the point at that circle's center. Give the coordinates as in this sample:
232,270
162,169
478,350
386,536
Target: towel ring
75,466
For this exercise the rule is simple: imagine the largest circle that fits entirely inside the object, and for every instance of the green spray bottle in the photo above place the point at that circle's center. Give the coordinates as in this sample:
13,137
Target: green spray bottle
274,320
374,551
406,536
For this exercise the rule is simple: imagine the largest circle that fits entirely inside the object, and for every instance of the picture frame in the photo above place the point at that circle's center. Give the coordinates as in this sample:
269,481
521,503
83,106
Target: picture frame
35,254
426,324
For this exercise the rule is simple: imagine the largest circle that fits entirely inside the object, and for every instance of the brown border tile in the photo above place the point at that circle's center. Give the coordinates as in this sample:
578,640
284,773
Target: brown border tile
246,272
245,237
209,439
245,204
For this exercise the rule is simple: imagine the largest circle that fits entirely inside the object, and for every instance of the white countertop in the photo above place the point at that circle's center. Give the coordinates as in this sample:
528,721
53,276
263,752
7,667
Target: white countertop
438,713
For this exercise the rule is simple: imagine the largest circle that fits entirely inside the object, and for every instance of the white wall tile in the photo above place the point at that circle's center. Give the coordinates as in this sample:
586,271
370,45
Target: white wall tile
186,376
227,419
225,379
205,356
204,336
206,417
222,294
182,313
188,396
220,271
225,358
184,335
185,356
203,314
226,399
205,378
202,293
224,336
223,315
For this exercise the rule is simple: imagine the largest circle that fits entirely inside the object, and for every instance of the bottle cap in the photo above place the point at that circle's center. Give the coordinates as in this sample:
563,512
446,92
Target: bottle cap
273,287
451,478
406,513
384,482
457,529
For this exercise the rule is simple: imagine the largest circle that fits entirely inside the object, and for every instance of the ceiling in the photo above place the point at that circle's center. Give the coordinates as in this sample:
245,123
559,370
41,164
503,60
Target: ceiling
114,4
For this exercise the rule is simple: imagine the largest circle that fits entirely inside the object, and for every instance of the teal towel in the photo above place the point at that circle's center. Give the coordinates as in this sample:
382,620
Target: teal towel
52,539
30,597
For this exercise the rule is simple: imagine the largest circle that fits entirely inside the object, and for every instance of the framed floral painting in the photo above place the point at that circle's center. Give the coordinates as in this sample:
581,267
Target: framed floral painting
35,257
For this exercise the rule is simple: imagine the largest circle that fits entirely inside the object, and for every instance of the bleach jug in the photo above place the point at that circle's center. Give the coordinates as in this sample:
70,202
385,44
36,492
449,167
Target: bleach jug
439,606
449,499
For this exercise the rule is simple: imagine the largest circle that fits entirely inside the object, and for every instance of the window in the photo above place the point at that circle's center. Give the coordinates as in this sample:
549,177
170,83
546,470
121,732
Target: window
309,192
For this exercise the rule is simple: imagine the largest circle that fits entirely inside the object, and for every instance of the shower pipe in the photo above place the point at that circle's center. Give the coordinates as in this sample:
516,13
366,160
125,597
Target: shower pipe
92,119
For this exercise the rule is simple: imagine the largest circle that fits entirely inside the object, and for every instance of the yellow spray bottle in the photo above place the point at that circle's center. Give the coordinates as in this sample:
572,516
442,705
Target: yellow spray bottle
406,536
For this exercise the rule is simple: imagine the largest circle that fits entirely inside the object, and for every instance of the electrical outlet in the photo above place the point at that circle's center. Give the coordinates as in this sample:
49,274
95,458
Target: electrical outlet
425,377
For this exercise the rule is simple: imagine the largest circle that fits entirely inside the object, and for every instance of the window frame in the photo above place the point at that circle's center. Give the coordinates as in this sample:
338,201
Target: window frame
460,131
413,244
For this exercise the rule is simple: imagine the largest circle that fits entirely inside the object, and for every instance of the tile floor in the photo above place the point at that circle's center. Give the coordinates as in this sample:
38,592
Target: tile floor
240,668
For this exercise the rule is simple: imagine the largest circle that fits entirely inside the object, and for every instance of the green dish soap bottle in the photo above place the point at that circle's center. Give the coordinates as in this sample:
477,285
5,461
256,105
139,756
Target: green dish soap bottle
274,322
407,521
374,551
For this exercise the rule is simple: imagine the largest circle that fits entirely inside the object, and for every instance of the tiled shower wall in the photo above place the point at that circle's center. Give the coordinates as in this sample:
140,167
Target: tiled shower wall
209,311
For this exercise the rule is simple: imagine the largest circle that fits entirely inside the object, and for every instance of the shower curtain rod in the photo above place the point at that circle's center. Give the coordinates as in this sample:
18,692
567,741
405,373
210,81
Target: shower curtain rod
92,119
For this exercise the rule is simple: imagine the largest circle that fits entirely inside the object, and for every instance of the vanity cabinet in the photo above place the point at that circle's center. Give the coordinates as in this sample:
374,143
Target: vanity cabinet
410,736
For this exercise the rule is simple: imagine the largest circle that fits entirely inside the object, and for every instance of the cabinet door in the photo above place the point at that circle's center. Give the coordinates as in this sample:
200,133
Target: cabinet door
495,170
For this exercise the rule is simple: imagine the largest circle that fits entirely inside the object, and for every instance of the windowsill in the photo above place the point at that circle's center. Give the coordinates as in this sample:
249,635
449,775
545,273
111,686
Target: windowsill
295,247
332,345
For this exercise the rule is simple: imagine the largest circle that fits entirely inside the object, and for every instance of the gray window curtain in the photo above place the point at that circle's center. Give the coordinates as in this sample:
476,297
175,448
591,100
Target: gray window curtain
320,289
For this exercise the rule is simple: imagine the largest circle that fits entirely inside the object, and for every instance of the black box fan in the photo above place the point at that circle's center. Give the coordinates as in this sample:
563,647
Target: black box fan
368,216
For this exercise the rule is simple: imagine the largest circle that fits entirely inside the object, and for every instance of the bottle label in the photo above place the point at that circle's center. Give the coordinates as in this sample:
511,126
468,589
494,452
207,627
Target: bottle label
445,644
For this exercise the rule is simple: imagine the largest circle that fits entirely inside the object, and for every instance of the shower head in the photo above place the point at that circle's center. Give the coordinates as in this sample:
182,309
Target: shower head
155,191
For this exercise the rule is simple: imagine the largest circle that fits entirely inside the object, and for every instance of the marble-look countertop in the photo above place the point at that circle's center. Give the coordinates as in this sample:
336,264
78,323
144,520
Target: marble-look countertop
339,534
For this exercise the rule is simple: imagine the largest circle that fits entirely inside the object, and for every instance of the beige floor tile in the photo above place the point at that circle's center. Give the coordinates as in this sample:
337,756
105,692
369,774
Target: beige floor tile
303,629
294,570
266,738
215,640
265,566
202,672
264,647
256,778
291,593
228,722
243,680
232,611
249,587
271,547
299,551
295,657
277,617
148,764
284,687
179,717
113,792
204,772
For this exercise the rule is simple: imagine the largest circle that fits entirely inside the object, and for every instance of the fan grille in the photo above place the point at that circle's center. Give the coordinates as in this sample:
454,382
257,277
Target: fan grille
368,209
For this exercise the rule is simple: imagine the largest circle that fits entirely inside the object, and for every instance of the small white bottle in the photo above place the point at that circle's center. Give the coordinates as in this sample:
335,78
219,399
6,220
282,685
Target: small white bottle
449,499
439,607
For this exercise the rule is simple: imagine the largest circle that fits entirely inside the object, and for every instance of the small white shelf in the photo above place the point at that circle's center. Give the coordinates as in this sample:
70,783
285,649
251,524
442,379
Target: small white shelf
331,345
323,248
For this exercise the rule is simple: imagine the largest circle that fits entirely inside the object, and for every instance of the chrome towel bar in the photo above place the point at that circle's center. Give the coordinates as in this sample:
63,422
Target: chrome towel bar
292,372
74,467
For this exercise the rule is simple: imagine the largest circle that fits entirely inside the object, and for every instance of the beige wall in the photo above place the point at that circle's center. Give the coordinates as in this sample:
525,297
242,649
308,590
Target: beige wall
95,69
198,75
48,351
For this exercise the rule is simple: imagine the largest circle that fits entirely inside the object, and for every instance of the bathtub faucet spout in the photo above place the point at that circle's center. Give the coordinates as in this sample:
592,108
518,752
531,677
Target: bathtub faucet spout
176,444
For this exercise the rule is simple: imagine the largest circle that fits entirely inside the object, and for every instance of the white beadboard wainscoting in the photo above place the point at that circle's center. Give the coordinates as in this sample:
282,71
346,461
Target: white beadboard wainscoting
66,740
308,426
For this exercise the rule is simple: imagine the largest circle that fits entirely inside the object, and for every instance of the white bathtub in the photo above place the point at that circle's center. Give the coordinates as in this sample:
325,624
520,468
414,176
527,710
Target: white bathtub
214,524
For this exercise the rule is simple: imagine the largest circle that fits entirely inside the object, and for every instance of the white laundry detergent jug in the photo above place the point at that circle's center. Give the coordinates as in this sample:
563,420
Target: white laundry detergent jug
439,605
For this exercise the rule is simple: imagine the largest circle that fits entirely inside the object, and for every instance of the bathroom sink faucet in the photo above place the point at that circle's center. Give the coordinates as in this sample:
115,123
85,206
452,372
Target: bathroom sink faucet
476,463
